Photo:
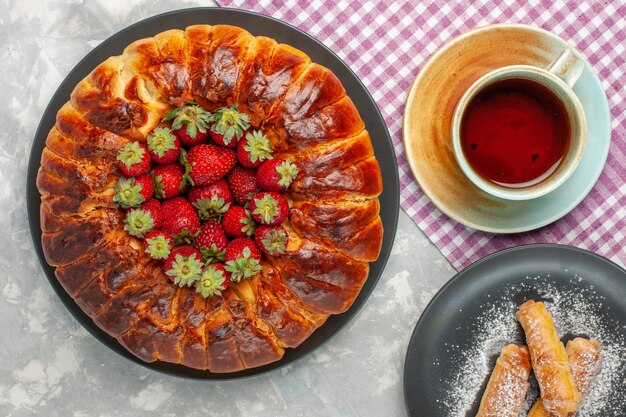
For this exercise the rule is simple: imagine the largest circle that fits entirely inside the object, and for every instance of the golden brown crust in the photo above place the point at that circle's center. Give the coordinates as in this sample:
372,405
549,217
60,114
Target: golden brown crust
585,359
337,120
267,73
334,225
76,139
111,266
352,228
549,359
316,88
119,314
78,180
192,312
160,314
162,61
140,340
508,383
68,187
77,236
358,181
222,353
314,161
280,310
255,344
324,281
216,57
110,98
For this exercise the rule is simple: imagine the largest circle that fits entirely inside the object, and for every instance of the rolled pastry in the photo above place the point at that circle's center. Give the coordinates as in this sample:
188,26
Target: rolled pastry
507,386
584,358
549,359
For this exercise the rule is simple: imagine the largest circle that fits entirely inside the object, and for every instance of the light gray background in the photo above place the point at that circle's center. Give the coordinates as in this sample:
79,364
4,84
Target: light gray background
51,366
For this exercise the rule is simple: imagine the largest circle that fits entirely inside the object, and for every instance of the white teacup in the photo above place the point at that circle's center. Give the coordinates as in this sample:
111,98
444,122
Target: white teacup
558,79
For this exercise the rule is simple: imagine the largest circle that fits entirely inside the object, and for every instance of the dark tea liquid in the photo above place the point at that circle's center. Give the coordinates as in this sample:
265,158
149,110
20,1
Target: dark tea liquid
514,133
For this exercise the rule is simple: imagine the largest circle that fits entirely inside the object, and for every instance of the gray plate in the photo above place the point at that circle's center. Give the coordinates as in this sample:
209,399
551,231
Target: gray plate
429,359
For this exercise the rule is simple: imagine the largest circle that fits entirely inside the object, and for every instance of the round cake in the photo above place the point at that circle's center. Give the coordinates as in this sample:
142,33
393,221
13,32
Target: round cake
332,226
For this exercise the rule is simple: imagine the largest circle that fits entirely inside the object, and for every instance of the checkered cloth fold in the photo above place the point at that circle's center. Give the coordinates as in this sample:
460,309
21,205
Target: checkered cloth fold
386,42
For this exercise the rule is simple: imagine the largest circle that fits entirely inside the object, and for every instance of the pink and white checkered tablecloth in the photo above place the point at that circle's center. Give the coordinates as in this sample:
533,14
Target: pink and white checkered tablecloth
386,42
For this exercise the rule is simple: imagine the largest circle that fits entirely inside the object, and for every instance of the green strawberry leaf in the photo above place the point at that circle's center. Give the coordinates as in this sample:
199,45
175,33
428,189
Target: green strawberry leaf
159,187
212,254
258,146
186,177
161,140
127,193
132,153
211,282
192,115
266,208
138,223
230,123
287,172
158,247
185,270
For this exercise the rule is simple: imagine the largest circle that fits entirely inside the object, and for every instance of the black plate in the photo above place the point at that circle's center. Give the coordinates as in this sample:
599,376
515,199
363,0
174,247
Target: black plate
445,327
257,25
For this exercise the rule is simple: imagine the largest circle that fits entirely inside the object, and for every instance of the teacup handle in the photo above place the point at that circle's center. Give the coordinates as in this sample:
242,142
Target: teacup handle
568,67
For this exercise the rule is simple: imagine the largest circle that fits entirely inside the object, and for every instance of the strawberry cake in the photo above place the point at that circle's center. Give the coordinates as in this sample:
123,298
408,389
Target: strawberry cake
209,198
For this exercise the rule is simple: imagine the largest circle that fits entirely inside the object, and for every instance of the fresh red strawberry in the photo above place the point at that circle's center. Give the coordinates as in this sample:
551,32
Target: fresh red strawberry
211,241
253,149
228,126
133,159
163,146
189,141
269,208
243,259
138,222
158,244
169,180
184,265
190,123
237,222
180,219
209,163
272,240
242,182
213,281
153,207
276,175
131,192
211,200
147,186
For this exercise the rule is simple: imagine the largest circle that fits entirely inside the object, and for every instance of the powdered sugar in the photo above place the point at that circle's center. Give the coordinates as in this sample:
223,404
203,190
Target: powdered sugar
508,383
577,310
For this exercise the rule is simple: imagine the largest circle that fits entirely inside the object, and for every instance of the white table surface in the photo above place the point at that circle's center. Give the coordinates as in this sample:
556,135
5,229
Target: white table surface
51,366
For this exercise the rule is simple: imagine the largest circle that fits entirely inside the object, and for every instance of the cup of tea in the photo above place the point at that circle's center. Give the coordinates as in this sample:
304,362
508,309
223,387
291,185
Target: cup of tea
519,131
